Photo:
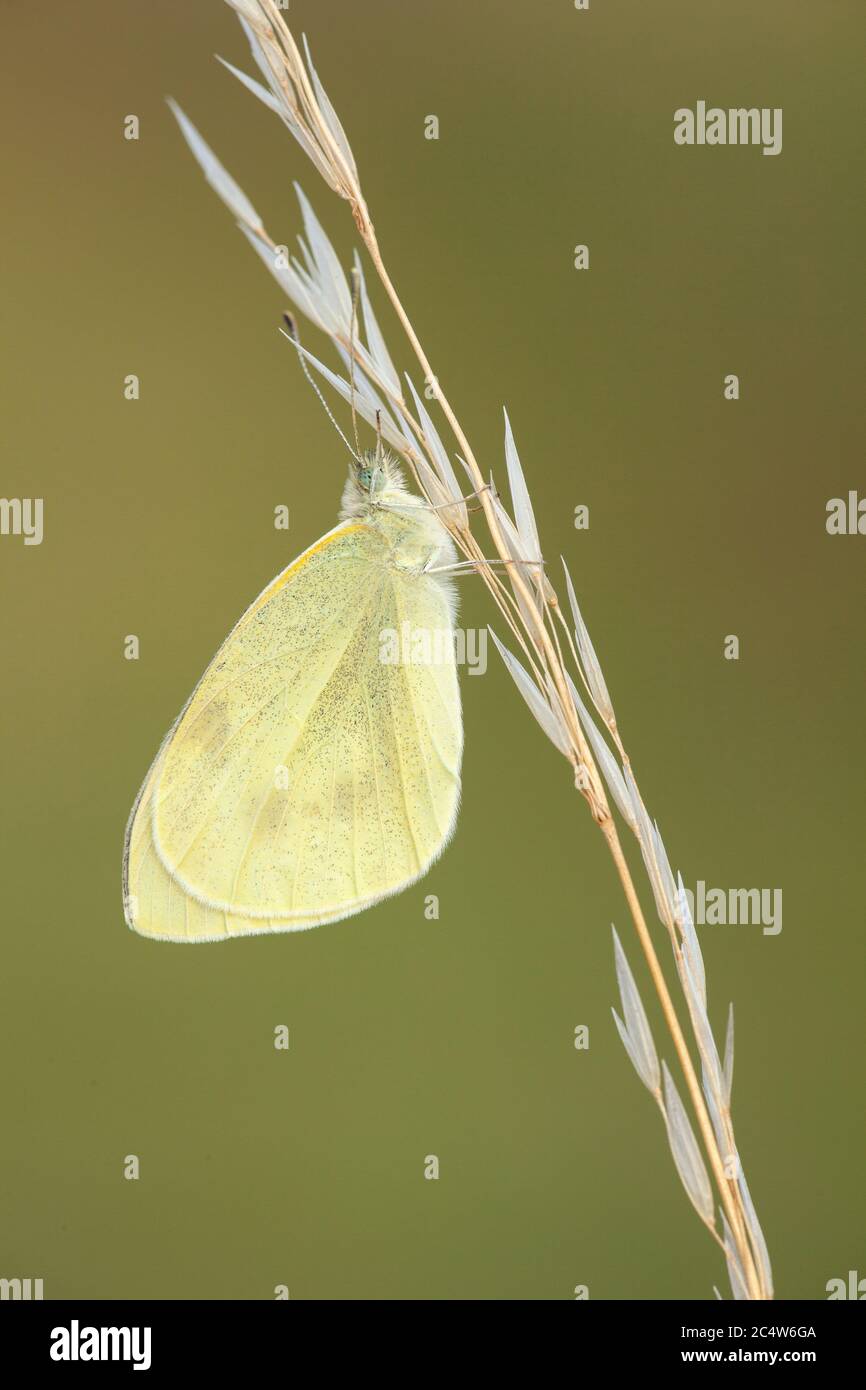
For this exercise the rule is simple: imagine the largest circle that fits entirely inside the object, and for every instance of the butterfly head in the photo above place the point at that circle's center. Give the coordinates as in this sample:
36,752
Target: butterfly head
375,481
375,474
370,474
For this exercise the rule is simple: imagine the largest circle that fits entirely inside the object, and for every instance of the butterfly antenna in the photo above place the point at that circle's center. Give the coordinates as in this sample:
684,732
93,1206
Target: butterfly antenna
294,338
356,290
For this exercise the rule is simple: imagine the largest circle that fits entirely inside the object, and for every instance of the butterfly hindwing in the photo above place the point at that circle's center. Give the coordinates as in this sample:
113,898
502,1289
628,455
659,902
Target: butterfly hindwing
307,776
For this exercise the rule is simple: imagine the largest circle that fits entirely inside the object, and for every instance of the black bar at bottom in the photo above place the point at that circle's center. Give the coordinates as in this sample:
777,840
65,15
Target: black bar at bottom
67,1338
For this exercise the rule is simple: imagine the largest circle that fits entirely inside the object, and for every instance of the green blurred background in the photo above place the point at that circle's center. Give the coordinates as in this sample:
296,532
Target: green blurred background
455,1037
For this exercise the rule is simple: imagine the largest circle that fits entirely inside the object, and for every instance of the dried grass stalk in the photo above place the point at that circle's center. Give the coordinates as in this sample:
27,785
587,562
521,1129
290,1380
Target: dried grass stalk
317,285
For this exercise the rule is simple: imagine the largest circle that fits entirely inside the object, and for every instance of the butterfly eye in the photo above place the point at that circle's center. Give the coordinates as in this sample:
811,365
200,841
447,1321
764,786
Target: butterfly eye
365,478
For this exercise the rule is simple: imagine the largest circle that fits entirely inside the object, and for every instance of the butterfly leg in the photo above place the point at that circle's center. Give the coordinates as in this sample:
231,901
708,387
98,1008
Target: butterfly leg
476,565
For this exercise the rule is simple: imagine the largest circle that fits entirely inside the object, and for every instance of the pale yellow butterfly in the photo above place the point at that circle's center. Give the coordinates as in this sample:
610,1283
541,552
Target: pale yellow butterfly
315,768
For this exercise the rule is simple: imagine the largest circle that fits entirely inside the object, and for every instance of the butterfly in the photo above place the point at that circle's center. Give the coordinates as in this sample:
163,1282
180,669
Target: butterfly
315,769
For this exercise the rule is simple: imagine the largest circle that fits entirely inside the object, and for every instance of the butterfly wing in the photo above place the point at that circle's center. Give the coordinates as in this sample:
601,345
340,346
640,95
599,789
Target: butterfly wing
306,778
